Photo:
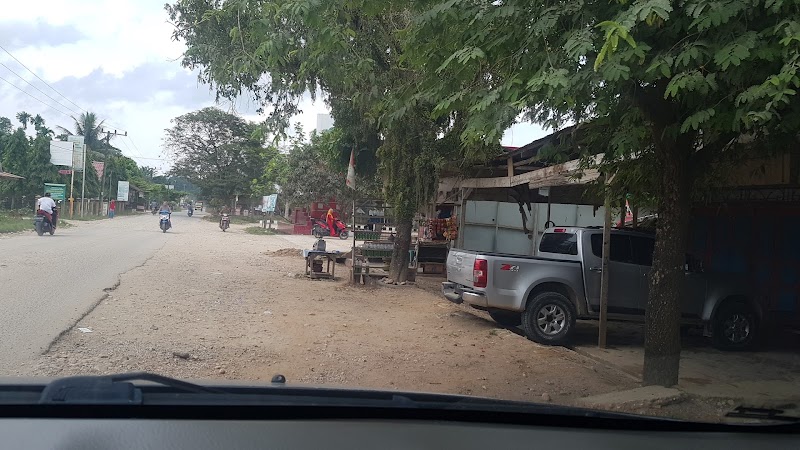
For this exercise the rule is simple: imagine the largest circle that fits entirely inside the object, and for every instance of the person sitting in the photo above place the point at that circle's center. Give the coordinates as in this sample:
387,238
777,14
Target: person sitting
46,206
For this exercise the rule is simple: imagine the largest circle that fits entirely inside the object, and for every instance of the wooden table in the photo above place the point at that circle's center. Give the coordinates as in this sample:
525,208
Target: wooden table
330,269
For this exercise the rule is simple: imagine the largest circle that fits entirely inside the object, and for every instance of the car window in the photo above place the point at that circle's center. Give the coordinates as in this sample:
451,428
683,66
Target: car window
563,243
642,250
620,248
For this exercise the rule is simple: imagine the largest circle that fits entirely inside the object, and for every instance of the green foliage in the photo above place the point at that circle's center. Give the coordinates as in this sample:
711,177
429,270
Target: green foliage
88,126
220,154
314,172
708,70
354,52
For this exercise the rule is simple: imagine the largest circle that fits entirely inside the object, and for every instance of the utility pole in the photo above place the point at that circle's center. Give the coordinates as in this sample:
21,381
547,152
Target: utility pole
108,139
83,183
71,191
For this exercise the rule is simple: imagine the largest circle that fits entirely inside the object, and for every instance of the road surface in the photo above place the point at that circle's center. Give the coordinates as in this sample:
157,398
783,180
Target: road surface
47,283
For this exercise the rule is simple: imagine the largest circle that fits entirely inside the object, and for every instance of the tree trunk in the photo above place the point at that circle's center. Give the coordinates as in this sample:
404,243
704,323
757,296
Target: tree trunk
398,269
662,318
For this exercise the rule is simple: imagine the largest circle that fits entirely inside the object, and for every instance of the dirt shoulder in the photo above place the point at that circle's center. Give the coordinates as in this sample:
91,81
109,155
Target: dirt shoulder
231,305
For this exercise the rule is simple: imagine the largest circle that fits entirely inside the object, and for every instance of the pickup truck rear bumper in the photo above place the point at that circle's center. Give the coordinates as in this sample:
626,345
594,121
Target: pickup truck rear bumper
458,294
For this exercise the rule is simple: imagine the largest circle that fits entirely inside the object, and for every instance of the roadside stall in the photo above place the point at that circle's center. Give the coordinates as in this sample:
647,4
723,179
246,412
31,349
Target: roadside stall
435,236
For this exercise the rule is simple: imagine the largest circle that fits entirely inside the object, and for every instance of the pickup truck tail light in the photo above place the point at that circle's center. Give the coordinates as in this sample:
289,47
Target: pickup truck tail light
480,270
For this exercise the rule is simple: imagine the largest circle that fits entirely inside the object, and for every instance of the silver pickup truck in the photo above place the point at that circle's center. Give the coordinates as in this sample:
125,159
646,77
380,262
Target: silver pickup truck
546,293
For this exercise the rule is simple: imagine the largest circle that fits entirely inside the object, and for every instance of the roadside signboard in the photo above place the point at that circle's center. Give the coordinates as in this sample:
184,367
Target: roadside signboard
57,191
77,157
78,149
269,202
123,188
61,153
98,167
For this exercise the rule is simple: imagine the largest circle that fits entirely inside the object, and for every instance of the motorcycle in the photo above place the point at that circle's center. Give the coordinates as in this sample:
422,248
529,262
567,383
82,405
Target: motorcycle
155,210
190,211
224,222
42,225
164,222
321,229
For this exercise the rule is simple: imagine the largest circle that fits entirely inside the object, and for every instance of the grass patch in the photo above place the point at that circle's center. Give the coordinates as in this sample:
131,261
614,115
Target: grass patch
260,231
12,223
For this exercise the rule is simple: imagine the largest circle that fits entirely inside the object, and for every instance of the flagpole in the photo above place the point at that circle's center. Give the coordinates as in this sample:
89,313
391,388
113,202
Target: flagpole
351,183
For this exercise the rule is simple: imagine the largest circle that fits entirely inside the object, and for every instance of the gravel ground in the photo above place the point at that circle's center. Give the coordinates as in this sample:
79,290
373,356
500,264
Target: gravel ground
213,305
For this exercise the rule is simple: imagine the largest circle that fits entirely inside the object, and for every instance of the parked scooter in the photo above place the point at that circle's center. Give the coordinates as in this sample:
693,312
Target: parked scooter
42,225
224,222
164,222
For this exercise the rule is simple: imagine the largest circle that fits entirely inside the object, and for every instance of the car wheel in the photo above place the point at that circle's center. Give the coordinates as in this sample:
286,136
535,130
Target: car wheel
549,319
506,318
734,327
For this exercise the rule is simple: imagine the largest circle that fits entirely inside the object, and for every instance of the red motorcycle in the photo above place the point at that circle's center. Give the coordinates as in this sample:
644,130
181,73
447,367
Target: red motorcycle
321,229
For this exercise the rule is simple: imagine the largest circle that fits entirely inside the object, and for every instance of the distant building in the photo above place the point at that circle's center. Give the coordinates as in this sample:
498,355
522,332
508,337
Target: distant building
324,121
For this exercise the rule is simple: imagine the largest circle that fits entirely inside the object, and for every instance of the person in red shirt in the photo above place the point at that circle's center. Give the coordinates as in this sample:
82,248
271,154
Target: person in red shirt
112,208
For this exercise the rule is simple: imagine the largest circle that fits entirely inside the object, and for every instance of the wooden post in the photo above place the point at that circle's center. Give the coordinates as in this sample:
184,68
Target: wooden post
604,274
510,167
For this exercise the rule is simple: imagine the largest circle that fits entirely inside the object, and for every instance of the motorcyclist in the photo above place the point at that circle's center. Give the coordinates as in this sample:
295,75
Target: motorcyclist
166,209
46,206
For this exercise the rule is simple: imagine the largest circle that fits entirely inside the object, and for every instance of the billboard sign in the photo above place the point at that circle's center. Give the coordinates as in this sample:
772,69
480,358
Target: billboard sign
123,189
77,157
57,191
78,151
268,203
75,139
61,153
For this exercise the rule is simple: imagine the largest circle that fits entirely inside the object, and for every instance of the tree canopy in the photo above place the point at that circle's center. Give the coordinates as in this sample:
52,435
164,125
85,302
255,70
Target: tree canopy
218,152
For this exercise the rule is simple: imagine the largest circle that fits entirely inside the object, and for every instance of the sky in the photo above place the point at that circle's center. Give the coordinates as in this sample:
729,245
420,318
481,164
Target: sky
117,59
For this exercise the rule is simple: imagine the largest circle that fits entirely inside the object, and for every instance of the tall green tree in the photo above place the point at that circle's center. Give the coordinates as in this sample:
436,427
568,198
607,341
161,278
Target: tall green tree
38,166
217,151
88,126
353,52
677,86
15,160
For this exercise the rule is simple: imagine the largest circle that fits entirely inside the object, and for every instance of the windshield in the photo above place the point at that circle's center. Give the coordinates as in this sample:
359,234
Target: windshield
352,193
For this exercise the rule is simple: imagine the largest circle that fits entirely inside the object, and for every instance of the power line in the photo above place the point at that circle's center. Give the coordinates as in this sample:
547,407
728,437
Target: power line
43,93
35,98
40,79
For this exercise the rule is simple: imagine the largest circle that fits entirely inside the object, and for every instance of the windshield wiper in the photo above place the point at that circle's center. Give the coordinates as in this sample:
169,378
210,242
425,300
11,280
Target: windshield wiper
112,389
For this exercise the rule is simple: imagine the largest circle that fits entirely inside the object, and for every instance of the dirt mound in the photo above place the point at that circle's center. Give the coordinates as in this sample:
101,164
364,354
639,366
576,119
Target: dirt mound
285,252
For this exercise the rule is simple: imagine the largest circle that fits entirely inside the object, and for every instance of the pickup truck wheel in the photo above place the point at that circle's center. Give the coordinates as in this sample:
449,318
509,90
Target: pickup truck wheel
734,327
549,319
506,318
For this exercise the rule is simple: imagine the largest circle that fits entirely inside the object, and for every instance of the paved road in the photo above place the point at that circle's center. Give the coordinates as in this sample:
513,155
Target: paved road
47,283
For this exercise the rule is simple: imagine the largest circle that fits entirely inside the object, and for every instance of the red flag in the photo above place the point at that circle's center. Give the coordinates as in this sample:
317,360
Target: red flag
351,170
